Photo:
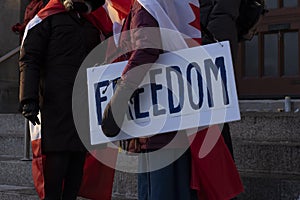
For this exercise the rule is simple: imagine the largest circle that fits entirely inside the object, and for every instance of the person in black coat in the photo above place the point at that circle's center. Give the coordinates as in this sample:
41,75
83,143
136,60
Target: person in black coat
219,17
50,57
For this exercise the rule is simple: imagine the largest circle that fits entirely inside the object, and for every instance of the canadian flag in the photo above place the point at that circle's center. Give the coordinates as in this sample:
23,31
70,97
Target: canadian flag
183,27
181,18
98,178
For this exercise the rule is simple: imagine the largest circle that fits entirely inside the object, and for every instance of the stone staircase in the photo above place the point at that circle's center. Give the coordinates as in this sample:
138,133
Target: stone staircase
266,147
15,174
267,154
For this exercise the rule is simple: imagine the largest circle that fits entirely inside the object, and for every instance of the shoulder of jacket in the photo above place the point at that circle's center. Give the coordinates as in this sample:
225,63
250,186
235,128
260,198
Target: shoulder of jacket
136,6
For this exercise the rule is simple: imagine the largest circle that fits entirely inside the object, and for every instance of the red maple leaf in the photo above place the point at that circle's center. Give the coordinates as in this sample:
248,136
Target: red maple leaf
196,22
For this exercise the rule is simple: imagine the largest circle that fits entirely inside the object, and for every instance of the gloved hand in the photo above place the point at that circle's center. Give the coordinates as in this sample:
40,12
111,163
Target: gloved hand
30,110
114,112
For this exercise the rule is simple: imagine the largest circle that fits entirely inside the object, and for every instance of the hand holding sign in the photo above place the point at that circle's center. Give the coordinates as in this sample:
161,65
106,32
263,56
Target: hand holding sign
113,115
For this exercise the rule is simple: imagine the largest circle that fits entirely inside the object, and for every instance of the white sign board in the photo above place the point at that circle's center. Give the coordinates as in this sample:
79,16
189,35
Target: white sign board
189,88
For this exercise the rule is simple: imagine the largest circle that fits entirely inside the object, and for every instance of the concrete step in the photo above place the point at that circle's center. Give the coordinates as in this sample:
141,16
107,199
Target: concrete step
267,105
18,173
9,96
15,172
258,186
267,126
266,146
270,157
258,156
12,129
125,186
266,186
12,123
12,145
10,192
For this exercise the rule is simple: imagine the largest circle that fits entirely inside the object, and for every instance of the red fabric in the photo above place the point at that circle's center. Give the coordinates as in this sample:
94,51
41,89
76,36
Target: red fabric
53,7
214,174
31,10
100,19
38,161
122,6
97,181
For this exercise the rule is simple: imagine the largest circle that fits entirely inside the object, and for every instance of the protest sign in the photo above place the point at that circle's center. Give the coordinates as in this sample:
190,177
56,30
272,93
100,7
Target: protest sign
184,89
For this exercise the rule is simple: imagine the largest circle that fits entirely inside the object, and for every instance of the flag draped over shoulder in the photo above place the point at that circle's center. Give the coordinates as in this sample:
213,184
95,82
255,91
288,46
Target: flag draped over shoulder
117,11
183,27
181,17
97,179
99,18
53,7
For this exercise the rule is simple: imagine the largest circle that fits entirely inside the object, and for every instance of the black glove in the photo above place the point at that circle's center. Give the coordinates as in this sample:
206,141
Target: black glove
114,112
30,110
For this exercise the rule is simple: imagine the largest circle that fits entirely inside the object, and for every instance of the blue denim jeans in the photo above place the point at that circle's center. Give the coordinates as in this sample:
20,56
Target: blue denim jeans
171,182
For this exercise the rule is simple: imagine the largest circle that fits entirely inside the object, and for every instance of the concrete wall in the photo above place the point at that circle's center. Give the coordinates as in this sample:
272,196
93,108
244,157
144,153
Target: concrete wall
11,12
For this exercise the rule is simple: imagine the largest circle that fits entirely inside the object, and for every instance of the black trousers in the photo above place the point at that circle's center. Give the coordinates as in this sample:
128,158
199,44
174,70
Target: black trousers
63,175
227,138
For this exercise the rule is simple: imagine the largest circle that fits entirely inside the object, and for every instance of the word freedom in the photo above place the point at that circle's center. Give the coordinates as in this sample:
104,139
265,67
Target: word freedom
190,82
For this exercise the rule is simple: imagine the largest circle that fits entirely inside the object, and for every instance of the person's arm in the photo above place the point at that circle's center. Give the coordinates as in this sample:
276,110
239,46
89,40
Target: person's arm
31,59
221,22
146,46
146,49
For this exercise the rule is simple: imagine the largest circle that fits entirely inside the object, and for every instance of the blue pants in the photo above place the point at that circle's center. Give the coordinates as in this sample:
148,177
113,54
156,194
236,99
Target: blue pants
168,183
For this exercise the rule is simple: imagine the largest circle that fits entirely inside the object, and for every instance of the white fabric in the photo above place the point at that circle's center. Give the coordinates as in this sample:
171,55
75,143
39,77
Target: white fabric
175,15
116,20
35,131
34,21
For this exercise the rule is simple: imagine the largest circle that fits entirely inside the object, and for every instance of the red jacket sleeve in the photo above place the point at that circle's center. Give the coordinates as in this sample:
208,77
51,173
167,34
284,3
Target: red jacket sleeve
145,44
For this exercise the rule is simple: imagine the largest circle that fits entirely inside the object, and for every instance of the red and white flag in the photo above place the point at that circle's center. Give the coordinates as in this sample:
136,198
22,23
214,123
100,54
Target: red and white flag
183,27
99,18
97,179
182,17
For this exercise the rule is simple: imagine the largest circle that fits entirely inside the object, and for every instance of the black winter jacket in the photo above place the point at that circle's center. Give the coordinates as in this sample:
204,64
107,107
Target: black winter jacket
50,57
219,16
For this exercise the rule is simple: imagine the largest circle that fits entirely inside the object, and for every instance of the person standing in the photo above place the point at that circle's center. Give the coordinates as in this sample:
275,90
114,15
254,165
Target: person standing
181,178
219,18
142,43
55,43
